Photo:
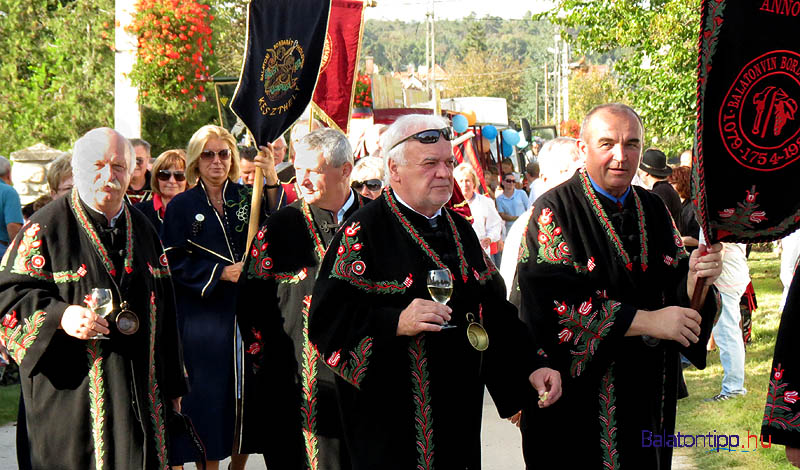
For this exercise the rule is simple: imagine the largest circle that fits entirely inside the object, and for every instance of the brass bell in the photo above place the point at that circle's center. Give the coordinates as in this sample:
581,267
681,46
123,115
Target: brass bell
476,334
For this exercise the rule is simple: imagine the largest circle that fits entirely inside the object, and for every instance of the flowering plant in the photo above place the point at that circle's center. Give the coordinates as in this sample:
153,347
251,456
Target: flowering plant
363,94
570,128
173,38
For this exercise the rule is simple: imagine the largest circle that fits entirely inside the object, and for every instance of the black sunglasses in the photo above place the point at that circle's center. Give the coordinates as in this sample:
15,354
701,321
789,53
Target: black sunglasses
430,136
372,185
163,175
224,154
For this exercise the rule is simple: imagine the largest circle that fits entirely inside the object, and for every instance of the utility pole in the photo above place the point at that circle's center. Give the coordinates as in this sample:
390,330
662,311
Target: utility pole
432,71
546,96
557,80
536,105
565,79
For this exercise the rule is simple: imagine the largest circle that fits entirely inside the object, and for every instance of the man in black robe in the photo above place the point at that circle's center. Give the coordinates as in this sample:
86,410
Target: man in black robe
89,402
409,391
781,423
273,298
604,283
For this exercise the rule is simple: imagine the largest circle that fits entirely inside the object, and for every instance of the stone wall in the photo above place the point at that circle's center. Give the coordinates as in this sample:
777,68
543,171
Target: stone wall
29,170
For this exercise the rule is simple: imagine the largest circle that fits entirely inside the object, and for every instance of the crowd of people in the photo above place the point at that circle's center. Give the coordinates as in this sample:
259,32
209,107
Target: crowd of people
566,296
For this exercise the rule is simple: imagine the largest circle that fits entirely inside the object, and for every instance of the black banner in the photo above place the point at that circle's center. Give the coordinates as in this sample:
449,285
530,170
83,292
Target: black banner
747,146
285,41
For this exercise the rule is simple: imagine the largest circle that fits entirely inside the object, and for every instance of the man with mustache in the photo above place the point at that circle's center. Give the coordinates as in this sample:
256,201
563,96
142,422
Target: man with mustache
91,402
410,389
605,283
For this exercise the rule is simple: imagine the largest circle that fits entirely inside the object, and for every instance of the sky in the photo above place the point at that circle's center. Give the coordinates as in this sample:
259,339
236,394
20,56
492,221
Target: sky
414,10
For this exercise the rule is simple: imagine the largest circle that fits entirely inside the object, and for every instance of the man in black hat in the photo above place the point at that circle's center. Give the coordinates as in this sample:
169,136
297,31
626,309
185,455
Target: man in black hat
653,171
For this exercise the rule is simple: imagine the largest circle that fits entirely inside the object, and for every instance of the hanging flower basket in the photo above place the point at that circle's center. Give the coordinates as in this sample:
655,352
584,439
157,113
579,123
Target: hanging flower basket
174,36
363,93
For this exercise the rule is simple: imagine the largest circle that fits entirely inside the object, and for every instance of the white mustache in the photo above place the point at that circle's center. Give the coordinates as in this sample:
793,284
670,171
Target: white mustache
113,185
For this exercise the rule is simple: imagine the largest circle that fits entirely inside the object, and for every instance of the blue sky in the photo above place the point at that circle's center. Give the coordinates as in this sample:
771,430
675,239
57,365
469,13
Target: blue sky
414,10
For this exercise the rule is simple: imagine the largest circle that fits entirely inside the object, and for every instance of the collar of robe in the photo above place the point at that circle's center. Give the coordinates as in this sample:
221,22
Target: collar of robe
611,233
319,247
90,231
391,201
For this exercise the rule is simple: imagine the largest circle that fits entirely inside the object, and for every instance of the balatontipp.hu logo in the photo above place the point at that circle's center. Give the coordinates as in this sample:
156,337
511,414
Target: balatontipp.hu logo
712,441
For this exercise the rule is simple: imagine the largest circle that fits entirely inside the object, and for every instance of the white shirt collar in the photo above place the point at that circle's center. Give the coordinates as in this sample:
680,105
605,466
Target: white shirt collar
113,219
345,207
401,201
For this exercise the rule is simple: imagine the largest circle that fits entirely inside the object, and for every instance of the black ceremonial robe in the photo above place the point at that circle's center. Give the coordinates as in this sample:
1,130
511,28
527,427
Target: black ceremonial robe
781,424
274,295
199,243
415,402
99,403
586,265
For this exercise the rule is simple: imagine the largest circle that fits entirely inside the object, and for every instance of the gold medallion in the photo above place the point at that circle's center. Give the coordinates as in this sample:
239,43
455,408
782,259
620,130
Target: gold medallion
127,321
476,334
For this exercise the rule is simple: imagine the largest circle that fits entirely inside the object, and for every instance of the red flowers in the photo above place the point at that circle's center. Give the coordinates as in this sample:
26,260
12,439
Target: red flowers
564,335
585,308
353,229
10,319
546,216
173,38
790,396
778,372
363,93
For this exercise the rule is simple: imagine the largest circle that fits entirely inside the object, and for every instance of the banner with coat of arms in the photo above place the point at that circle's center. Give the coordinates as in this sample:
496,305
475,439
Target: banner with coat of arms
747,146
282,61
333,97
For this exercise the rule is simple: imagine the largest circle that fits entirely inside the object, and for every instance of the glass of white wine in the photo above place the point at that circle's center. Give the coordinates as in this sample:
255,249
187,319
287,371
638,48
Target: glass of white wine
440,286
101,301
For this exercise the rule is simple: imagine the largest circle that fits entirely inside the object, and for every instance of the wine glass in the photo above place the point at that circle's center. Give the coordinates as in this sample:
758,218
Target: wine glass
440,286
101,302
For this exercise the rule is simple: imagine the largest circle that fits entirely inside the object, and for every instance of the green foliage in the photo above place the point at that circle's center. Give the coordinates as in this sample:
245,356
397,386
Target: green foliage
9,403
656,42
590,89
57,70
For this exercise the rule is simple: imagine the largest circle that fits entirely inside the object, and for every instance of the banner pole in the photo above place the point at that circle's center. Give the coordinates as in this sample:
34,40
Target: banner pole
255,201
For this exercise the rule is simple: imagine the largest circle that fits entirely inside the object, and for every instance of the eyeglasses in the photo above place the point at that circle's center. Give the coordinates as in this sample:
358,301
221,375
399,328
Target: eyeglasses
224,154
430,136
509,181
164,175
372,185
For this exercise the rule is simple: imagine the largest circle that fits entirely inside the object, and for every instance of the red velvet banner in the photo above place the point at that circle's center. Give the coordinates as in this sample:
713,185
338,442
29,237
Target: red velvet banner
333,95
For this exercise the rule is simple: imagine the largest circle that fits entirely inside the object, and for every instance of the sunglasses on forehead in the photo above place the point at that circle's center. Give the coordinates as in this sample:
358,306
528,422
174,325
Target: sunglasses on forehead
164,175
429,136
372,185
224,154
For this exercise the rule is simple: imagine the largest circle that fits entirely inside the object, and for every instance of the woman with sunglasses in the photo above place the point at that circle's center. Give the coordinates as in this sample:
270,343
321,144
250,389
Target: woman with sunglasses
168,179
367,177
204,236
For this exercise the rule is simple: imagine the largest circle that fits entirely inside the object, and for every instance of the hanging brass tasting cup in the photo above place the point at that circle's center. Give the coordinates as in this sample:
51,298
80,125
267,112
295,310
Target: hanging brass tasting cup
476,334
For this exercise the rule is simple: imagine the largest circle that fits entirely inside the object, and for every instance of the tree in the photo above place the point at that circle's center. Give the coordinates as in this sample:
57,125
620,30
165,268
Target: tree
589,89
657,45
57,70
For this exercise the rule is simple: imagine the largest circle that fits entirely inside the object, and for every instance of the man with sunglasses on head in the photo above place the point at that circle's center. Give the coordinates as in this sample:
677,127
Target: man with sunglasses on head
409,389
139,188
274,292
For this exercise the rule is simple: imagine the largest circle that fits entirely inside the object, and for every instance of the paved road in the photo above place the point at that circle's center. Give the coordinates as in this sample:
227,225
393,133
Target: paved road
501,444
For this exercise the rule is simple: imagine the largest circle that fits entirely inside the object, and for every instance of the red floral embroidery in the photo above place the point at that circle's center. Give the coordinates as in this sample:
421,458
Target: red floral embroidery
546,216
585,308
162,260
790,396
564,335
10,319
82,270
38,260
333,360
353,229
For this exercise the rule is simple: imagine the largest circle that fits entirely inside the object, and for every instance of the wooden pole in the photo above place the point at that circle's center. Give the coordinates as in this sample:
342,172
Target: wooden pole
255,201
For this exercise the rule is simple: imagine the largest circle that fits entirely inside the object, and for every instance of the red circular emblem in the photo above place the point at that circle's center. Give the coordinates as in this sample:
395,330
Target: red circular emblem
162,260
267,263
758,121
37,261
359,267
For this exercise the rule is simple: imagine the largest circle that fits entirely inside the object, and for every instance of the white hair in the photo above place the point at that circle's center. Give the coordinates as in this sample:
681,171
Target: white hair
558,158
400,130
333,144
91,148
367,166
5,166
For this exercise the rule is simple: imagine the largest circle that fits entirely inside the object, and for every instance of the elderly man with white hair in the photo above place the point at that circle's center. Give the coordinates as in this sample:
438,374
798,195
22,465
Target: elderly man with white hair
97,377
402,309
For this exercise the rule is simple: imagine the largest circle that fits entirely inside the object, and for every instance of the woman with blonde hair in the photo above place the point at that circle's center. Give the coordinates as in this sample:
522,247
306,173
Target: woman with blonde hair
204,236
367,177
